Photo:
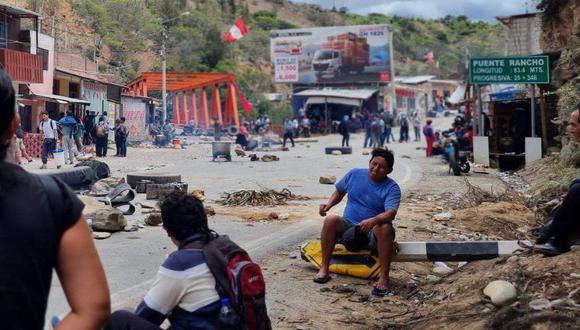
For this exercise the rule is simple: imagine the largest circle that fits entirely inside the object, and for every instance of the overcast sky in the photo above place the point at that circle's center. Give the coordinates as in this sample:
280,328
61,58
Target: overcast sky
485,10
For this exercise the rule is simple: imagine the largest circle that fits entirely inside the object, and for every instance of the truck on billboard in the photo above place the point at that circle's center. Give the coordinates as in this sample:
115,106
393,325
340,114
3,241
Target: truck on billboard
339,54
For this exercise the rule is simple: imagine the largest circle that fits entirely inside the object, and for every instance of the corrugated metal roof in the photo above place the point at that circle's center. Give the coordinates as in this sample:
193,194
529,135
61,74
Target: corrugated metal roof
361,94
416,79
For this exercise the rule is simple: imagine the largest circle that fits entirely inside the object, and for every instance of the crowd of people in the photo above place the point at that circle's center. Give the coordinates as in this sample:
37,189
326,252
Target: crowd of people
72,134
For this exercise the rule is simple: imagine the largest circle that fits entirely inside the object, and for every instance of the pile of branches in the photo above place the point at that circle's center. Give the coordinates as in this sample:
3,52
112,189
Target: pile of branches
266,197
475,195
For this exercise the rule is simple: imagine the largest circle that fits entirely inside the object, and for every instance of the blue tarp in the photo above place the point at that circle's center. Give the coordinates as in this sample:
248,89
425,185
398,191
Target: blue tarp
507,94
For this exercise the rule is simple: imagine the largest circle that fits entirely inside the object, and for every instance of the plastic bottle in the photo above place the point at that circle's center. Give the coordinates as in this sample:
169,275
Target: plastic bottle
228,316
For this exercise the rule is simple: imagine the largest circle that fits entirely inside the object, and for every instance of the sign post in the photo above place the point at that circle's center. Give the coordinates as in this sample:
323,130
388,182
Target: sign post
509,70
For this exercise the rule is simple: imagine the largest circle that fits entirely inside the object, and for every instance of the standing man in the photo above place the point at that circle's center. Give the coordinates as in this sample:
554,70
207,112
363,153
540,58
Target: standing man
48,132
288,132
107,127
373,201
376,132
101,143
429,136
344,129
68,125
404,125
123,135
417,126
388,134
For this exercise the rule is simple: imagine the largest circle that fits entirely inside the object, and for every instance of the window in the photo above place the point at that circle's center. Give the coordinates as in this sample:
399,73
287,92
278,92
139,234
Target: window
44,53
73,90
399,101
411,103
56,87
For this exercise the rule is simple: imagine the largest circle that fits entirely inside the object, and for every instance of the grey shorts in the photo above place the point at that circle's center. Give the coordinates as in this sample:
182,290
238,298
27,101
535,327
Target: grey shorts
372,236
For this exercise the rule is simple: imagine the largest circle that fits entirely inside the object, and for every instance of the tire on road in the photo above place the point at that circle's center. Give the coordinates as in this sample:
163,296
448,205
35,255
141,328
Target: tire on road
77,178
158,178
343,150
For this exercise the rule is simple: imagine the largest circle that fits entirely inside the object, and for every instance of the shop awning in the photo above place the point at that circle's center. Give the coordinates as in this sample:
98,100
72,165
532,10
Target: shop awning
356,94
57,98
334,100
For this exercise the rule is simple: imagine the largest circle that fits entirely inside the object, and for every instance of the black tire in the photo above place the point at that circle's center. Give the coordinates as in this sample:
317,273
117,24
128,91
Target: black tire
344,150
160,178
454,165
77,178
465,167
233,130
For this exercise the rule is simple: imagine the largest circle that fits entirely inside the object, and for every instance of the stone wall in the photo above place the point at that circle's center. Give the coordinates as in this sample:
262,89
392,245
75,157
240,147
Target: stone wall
561,32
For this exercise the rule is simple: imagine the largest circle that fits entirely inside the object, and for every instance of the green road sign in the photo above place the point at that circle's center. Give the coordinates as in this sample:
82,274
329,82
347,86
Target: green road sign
509,70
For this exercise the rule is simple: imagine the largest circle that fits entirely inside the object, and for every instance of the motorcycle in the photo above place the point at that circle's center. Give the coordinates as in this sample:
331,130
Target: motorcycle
457,153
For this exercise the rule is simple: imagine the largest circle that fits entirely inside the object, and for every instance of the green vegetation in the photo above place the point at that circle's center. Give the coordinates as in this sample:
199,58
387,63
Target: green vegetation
130,31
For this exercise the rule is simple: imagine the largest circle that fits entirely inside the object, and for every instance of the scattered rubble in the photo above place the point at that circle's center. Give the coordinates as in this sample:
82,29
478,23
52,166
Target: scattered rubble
336,153
444,216
327,179
267,197
153,219
501,293
101,235
270,158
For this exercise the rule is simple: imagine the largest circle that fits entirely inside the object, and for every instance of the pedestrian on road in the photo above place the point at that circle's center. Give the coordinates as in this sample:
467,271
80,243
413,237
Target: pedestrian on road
48,132
184,290
403,122
101,144
123,135
107,131
373,201
388,133
429,137
368,134
68,127
417,126
344,129
80,132
376,132
288,131
39,238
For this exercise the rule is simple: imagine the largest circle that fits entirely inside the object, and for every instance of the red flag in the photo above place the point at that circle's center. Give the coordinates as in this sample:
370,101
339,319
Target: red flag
429,57
236,32
245,104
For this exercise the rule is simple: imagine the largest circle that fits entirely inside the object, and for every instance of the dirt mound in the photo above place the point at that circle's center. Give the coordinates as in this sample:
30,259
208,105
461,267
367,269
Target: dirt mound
505,220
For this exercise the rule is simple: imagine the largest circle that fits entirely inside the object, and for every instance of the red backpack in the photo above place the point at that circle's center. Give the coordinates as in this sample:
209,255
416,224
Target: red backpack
239,279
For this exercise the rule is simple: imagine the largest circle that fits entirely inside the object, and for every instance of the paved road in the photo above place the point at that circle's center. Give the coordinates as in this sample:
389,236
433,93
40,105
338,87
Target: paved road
131,259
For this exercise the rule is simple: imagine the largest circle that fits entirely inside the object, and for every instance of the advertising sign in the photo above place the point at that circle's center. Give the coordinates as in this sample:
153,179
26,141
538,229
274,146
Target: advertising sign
134,111
338,54
509,70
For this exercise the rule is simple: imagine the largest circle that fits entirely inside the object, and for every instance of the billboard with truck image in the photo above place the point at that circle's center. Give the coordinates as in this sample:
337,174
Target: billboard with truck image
338,54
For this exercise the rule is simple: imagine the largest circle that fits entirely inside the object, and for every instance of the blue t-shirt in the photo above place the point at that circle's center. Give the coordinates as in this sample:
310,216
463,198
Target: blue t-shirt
365,198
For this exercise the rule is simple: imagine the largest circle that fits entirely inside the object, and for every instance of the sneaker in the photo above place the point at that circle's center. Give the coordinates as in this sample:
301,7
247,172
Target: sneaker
43,167
549,249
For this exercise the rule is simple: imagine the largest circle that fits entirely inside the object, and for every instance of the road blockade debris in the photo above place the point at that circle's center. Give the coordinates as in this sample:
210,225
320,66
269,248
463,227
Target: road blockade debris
268,197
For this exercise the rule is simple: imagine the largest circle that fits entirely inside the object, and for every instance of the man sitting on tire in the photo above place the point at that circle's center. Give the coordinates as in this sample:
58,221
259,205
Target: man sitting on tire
373,200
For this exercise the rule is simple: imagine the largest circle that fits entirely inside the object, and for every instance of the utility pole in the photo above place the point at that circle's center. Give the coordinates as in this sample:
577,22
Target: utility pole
164,76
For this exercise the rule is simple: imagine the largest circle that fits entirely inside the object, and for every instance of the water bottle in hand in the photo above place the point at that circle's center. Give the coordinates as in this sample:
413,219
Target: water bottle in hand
228,315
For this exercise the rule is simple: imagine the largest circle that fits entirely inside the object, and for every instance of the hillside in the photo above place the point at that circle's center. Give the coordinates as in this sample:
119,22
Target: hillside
125,35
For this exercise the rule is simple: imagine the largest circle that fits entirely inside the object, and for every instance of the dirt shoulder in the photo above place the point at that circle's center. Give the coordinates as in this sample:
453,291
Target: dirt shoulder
422,297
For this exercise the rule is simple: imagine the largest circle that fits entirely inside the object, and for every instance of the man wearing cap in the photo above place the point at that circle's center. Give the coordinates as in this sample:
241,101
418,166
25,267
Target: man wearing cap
48,132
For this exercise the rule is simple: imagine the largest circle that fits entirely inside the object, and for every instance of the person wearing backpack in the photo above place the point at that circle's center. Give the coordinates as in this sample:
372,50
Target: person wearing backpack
48,131
192,288
101,143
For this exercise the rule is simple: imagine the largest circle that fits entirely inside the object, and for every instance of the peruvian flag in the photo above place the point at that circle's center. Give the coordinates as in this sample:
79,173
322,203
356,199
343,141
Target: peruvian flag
237,31
429,57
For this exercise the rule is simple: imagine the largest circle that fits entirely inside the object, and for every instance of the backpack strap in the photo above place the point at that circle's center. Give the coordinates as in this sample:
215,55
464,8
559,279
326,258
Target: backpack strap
53,194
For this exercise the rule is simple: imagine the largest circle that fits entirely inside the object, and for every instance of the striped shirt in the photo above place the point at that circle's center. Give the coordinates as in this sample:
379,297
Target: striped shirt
183,291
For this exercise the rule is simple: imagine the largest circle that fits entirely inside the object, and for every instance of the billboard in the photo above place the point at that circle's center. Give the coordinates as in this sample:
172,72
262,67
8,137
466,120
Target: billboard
337,54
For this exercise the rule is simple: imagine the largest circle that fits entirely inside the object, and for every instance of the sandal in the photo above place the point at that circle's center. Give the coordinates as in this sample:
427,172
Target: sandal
322,279
380,293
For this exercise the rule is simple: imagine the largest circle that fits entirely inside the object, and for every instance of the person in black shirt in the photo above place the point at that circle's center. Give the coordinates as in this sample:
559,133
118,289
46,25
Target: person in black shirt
41,229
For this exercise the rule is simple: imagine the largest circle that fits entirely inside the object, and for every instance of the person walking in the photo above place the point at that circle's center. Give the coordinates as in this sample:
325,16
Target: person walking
48,132
116,129
404,127
101,143
429,137
344,129
288,131
417,126
376,132
68,126
388,133
44,233
368,136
